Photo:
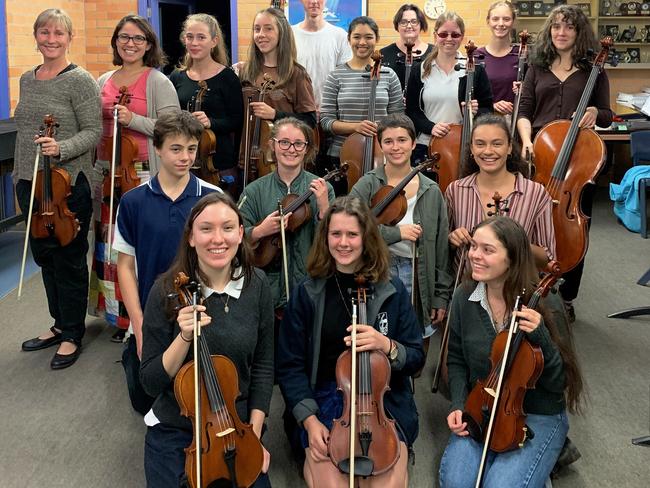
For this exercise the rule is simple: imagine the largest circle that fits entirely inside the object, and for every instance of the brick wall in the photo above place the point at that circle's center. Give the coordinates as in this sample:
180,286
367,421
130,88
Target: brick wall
382,11
93,22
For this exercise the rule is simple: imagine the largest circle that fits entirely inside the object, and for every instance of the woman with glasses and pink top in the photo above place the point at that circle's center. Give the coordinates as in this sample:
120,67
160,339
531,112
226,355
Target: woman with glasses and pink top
436,90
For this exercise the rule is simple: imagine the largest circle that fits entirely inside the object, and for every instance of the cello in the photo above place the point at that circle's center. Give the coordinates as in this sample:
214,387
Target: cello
204,164
364,153
522,62
223,446
122,175
266,249
363,441
408,61
567,158
453,148
516,367
255,160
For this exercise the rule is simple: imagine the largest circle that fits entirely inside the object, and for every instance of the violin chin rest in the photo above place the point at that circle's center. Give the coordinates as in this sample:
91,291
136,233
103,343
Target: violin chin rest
363,466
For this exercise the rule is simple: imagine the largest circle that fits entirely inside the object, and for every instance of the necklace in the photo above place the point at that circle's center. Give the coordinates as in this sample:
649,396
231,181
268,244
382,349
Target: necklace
226,309
345,304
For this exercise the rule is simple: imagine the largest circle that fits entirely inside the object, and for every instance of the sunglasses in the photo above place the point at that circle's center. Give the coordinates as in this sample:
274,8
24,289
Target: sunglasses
444,35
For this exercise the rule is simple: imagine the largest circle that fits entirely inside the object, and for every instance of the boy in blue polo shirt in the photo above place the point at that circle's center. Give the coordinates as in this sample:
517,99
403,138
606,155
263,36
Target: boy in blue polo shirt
149,226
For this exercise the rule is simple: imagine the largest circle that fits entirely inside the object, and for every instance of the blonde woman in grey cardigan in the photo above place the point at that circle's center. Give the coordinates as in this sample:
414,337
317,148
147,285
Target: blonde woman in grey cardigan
70,94
137,53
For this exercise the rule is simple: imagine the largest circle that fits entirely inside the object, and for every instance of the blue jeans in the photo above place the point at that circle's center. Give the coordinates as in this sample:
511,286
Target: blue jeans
402,268
529,466
164,458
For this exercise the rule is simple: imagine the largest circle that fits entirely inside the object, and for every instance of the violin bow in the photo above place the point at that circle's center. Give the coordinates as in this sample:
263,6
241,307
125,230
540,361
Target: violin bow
284,249
353,393
414,264
197,383
29,220
497,393
112,199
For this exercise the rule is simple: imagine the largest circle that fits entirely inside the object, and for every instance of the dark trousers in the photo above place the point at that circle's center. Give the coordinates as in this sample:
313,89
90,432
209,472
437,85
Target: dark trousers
64,269
140,401
164,459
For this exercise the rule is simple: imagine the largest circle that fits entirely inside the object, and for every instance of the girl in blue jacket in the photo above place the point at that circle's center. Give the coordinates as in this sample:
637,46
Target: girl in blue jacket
316,330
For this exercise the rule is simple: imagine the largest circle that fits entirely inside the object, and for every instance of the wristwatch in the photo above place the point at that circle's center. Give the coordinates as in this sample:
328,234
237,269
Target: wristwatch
392,353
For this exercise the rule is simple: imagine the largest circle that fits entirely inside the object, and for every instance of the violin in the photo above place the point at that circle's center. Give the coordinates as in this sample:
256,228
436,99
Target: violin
522,62
267,247
567,158
389,203
53,218
516,367
204,164
363,441
364,153
124,147
223,446
454,147
500,206
254,159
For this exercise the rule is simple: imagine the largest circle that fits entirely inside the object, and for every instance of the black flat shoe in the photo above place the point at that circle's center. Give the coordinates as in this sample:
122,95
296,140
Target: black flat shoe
36,344
62,361
118,337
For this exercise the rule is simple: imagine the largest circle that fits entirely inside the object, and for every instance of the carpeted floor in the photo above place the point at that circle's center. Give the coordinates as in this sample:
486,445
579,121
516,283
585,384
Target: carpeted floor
75,428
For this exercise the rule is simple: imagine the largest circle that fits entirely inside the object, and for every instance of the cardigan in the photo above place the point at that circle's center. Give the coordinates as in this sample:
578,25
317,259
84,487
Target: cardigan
161,98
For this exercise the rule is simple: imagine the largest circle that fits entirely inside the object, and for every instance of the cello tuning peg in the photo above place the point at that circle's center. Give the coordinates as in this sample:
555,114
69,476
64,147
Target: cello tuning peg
458,67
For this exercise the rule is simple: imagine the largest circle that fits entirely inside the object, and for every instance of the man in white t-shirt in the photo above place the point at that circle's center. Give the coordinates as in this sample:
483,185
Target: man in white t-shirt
321,45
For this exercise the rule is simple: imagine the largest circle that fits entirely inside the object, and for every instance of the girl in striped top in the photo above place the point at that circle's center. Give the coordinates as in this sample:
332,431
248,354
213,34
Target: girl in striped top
346,93
493,166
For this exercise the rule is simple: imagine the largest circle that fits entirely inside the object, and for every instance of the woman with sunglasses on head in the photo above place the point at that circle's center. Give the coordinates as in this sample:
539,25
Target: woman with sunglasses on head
137,53
67,92
409,22
502,265
235,320
552,88
316,330
494,166
422,230
500,57
272,53
436,91
293,145
346,93
222,110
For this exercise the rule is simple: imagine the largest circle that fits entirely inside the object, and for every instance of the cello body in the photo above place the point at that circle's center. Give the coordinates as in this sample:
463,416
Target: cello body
449,148
587,159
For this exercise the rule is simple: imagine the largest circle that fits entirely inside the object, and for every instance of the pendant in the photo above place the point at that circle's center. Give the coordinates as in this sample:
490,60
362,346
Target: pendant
226,309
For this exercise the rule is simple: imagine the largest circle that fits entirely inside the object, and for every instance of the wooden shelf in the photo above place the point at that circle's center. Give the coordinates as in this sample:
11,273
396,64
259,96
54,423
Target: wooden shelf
630,66
604,18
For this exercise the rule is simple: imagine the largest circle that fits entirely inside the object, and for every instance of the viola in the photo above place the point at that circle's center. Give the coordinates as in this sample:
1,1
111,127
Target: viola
389,203
123,153
53,218
522,62
453,147
204,164
223,446
567,158
267,247
516,367
363,153
254,159
500,206
363,441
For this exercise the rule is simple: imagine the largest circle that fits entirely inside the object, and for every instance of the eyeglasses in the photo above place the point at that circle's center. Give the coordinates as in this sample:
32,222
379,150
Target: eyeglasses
284,144
444,35
138,40
412,22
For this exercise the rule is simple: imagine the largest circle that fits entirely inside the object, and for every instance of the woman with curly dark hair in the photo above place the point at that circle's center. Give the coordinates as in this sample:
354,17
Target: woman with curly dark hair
552,90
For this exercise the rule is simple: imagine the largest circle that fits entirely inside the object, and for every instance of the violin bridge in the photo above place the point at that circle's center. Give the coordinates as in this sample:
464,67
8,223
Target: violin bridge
490,392
224,433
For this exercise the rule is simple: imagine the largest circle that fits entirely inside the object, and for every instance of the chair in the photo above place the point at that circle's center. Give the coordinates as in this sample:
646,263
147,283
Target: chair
640,147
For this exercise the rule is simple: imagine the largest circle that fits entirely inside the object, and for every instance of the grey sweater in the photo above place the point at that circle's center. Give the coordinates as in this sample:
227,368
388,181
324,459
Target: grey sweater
244,335
73,99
